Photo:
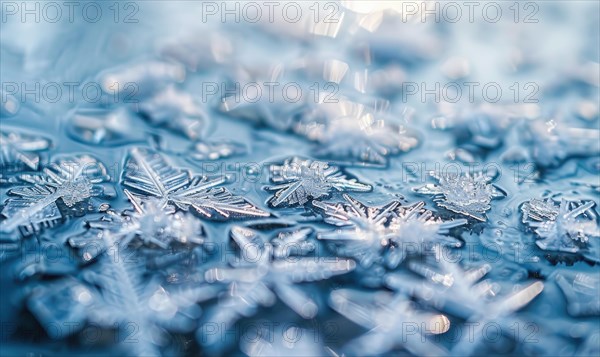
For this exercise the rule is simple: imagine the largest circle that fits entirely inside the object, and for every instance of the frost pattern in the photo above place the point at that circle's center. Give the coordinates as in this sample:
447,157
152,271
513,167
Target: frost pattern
20,151
565,228
69,181
465,194
257,279
367,233
148,174
297,181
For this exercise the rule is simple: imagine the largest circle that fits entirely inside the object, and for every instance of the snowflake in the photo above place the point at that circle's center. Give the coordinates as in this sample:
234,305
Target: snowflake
565,228
149,223
392,321
357,214
176,110
103,127
465,194
58,192
348,129
452,289
148,174
114,294
285,243
501,313
20,151
140,80
415,229
257,278
460,293
581,292
300,180
551,143
368,232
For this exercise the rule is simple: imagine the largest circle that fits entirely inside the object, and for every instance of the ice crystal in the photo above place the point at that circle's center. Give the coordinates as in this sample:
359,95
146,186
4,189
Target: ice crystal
149,223
285,243
351,130
67,182
356,214
415,229
460,293
388,319
501,313
297,181
176,110
581,292
20,151
115,294
367,232
257,279
149,174
450,288
466,194
565,228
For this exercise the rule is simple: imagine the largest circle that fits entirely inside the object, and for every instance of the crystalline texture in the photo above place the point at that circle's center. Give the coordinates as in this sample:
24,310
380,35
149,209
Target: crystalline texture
20,151
297,181
149,223
71,180
369,232
466,194
564,228
148,174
